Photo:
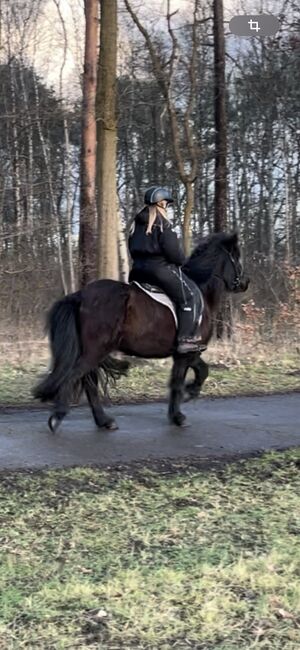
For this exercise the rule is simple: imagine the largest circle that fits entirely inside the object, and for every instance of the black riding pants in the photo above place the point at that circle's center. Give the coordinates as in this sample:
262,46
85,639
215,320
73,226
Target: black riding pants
182,291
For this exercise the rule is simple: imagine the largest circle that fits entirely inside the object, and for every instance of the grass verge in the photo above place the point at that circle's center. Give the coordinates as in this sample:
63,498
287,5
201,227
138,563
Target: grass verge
149,381
148,559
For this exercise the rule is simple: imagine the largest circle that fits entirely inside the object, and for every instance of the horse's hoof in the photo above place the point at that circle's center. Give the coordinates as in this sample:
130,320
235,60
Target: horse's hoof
180,420
53,423
191,392
190,395
111,425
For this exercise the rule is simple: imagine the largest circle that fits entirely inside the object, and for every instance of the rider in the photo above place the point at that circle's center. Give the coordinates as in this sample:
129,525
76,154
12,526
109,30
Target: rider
157,259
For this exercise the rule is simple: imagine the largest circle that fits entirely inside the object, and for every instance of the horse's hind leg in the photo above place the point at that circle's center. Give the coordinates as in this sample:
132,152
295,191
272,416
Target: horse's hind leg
178,375
65,394
193,388
61,407
90,385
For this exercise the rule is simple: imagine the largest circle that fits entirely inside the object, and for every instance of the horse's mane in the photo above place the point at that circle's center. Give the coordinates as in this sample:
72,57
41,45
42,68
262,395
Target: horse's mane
209,244
199,266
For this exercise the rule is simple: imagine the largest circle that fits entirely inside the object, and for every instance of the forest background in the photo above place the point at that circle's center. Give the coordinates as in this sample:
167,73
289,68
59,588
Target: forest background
156,95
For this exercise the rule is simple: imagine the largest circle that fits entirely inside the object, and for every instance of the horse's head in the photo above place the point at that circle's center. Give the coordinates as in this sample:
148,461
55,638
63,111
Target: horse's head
218,256
231,268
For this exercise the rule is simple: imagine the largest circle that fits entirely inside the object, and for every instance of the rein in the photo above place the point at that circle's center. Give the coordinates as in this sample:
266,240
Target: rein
237,279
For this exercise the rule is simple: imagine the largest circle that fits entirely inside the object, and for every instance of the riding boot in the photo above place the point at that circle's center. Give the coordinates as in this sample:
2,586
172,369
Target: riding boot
186,341
192,344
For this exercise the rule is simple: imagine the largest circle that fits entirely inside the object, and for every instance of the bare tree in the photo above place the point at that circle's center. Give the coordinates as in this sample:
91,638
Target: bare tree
67,152
19,212
52,196
107,143
181,130
87,230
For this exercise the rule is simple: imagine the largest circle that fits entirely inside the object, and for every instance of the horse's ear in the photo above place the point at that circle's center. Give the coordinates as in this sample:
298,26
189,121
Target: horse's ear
231,240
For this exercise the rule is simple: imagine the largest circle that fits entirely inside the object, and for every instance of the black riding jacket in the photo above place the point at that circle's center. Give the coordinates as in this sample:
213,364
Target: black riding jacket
161,244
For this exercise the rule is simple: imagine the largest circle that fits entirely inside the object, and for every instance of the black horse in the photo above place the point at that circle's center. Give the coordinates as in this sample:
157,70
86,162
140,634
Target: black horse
107,316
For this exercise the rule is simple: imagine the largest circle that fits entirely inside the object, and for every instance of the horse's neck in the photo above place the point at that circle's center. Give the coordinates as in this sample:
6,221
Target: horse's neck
213,292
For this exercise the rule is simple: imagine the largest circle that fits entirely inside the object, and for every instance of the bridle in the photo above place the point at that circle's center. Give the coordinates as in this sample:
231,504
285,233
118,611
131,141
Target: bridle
237,278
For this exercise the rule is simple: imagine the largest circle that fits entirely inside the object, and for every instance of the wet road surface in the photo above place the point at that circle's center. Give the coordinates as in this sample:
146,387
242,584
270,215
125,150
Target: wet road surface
219,428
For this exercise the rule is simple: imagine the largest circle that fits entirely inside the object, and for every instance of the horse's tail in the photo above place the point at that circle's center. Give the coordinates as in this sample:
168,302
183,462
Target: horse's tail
64,336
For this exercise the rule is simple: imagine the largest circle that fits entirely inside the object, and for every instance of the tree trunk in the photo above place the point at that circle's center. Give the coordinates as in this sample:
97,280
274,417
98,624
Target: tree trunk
220,119
16,164
270,235
295,225
108,266
188,209
28,164
287,184
123,252
261,212
68,190
224,324
87,229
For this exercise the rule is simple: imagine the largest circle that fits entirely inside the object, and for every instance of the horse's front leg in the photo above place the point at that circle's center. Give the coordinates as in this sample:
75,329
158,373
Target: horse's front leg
193,388
178,374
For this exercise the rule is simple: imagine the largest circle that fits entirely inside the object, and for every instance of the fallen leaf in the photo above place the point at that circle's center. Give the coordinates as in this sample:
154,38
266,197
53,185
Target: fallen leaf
282,613
100,615
82,569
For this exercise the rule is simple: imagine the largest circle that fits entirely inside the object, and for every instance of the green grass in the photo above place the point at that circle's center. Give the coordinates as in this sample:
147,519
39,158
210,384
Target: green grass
174,557
149,381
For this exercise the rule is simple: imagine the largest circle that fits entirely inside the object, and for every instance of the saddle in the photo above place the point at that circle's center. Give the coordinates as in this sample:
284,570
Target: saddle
159,296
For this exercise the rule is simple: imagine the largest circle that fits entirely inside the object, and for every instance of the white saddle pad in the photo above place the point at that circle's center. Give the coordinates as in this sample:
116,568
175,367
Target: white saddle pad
161,297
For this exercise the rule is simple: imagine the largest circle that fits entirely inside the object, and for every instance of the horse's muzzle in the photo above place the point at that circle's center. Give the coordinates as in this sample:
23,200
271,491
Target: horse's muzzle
243,284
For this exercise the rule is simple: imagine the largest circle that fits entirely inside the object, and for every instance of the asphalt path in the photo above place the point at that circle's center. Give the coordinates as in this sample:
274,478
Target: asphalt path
219,429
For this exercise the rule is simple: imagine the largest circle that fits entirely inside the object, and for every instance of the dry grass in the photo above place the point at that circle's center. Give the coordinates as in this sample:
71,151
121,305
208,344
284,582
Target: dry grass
239,366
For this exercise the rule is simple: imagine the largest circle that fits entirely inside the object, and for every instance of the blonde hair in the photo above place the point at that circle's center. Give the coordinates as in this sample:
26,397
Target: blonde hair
154,210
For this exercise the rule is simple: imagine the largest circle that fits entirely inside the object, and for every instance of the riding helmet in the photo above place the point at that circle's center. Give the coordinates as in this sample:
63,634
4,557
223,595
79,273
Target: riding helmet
157,193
